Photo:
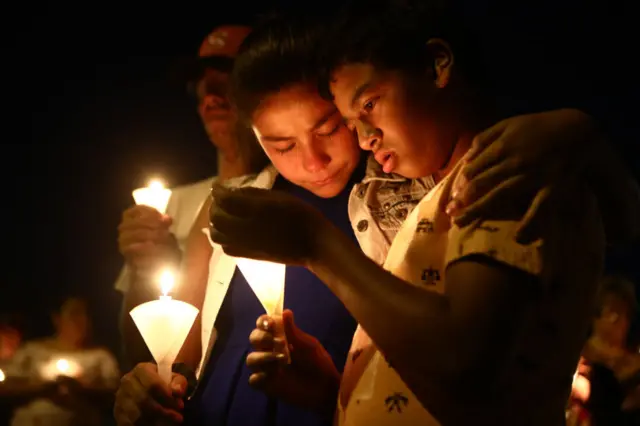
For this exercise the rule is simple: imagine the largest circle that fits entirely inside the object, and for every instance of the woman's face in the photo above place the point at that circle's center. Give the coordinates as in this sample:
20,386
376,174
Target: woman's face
306,139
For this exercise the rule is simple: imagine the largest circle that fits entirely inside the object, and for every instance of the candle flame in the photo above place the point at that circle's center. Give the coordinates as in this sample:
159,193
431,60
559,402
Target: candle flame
63,366
156,184
167,281
2,376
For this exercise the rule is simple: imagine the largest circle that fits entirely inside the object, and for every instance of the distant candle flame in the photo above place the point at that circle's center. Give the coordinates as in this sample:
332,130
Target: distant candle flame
2,376
167,281
63,365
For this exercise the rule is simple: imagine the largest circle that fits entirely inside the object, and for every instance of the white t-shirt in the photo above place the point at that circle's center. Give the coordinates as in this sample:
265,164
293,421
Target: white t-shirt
34,361
184,205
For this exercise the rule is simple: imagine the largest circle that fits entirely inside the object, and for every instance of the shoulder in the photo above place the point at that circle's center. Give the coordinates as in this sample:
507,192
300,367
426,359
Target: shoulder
570,223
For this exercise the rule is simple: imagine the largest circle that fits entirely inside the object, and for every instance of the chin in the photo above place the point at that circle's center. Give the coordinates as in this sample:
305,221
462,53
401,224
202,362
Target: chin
328,191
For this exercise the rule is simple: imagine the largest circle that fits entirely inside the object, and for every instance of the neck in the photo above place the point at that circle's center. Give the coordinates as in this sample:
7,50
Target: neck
68,343
472,121
231,165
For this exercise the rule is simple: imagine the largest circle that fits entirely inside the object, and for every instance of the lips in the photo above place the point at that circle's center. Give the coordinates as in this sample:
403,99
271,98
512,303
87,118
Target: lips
387,159
326,180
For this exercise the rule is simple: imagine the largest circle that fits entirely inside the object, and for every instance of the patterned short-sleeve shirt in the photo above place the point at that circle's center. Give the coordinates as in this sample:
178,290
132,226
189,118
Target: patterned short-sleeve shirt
567,259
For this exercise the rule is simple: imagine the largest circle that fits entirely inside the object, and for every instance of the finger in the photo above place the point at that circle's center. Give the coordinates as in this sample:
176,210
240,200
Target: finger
262,340
259,380
493,205
157,236
227,200
136,400
482,140
141,212
490,155
265,322
155,386
178,385
265,361
472,190
290,329
528,229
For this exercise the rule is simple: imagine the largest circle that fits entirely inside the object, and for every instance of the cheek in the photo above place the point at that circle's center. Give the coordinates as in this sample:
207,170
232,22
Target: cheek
344,147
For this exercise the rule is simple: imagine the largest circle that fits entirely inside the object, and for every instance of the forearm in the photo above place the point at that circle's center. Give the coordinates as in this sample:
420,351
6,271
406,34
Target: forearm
374,296
17,392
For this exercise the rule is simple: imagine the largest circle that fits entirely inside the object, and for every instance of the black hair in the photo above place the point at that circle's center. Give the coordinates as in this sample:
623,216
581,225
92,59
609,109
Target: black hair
281,51
393,35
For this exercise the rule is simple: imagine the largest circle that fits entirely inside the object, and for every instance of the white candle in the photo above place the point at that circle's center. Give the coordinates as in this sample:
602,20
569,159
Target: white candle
267,281
164,325
154,195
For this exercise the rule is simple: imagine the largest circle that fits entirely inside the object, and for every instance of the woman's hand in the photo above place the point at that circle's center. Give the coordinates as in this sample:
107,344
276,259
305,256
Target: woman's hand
311,379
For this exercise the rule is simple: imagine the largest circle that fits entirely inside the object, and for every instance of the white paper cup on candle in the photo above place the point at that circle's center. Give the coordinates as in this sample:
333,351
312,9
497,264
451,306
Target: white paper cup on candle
164,325
267,281
155,195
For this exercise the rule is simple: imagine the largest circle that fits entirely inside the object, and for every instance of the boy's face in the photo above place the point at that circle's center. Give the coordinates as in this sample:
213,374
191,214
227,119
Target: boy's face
404,118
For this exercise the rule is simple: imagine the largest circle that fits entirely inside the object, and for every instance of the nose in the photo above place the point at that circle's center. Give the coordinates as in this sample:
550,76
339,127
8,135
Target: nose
369,137
212,102
314,158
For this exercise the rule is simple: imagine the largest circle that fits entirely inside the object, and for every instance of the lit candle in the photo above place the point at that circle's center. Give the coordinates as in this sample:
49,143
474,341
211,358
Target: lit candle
60,367
164,325
154,195
2,376
267,281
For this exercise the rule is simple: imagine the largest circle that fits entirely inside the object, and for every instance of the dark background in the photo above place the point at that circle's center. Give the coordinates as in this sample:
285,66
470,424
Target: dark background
89,113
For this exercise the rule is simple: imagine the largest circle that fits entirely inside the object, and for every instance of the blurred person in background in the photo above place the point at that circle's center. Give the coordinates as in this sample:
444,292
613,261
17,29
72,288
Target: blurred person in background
11,335
63,379
606,388
149,240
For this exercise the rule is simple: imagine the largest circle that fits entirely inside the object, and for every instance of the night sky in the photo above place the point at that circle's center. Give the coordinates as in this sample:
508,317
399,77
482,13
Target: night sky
91,113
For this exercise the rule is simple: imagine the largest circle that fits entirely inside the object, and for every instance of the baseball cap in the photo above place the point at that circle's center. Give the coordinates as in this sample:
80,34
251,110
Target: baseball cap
218,50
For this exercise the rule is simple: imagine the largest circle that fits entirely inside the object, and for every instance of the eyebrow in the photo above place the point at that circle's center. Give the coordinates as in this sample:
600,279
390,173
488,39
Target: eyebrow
359,91
315,127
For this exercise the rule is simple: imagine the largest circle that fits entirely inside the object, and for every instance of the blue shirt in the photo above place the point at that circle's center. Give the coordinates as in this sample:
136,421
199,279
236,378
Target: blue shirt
224,397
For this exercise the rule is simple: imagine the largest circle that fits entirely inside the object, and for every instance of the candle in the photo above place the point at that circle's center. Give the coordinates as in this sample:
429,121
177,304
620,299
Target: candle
164,325
2,376
267,281
154,195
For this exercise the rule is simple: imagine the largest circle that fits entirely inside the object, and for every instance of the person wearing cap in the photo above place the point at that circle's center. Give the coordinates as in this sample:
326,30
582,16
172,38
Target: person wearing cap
148,239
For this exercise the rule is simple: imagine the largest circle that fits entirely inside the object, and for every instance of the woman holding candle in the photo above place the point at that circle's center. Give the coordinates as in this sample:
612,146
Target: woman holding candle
454,287
62,380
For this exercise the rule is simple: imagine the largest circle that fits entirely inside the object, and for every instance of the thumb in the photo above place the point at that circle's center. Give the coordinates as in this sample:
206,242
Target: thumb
484,139
297,338
178,385
290,329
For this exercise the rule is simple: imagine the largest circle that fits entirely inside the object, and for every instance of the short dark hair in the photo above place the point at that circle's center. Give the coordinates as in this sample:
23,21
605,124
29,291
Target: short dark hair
393,35
280,52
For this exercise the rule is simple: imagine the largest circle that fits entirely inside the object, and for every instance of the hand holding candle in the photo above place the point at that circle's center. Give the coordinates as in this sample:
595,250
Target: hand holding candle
154,195
164,325
267,281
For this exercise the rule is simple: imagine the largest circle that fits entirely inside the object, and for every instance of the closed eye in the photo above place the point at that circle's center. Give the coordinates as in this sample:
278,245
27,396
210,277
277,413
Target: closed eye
283,151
